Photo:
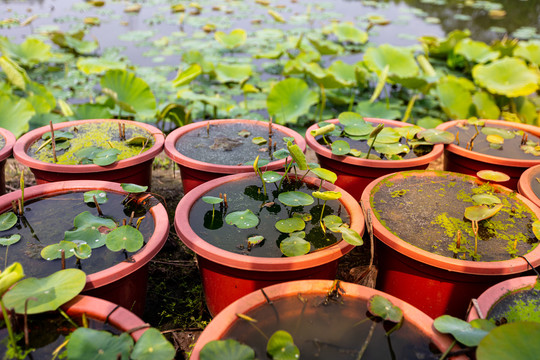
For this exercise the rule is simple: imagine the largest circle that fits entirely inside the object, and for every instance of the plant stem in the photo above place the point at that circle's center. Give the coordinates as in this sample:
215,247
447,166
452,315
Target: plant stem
445,354
53,143
367,341
475,230
11,335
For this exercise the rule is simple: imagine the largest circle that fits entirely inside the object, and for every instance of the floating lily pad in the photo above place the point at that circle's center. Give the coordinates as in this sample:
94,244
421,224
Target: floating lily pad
303,216
134,188
255,240
463,331
7,220
87,219
491,175
486,199
212,200
104,344
382,307
340,147
259,140
227,350
281,346
295,198
152,345
332,221
106,157
495,139
137,140
290,225
294,246
271,177
436,136
242,219
326,195
481,212
124,237
88,153
6,241
100,195
391,149
54,251
359,129
234,39
504,133
83,250
512,341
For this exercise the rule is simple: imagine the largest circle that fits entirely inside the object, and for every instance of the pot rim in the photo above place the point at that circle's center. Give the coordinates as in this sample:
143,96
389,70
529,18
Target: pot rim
99,309
524,184
25,141
503,267
10,139
434,154
224,320
120,270
254,263
490,159
183,160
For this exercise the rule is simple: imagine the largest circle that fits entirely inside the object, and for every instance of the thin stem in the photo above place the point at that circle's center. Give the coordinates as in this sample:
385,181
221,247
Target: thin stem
445,354
11,335
53,142
367,341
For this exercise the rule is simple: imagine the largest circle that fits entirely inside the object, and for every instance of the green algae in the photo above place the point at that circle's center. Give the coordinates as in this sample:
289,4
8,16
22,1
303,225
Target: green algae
103,134
518,305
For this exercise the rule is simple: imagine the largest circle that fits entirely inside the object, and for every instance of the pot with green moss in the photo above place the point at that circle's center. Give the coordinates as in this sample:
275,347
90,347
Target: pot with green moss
98,149
7,141
498,145
252,230
445,237
359,151
110,231
311,319
209,149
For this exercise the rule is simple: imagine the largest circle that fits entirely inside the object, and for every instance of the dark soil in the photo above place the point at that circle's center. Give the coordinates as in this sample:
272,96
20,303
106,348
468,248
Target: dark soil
175,301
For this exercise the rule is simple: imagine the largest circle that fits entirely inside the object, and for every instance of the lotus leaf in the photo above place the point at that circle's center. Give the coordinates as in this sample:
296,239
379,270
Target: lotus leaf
100,195
481,212
391,149
137,140
436,136
124,237
80,46
512,341
153,345
242,219
15,108
528,50
491,175
289,99
332,221
429,122
325,174
382,307
259,140
184,77
455,99
91,111
131,91
83,250
486,199
326,195
508,76
344,73
349,235
14,73
255,240
226,350
495,139
86,219
295,198
386,135
476,51
6,241
134,188
325,47
340,147
271,177
408,132
30,52
297,155
485,104
47,293
347,32
101,343
234,39
10,276
290,225
106,157
281,346
359,129
7,220
91,65
212,200
227,73
90,235
502,132
401,61
463,331
294,246
54,251
350,118
377,110
322,77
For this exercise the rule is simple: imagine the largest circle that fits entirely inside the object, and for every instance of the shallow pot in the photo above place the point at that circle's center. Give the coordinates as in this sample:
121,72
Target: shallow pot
125,283
136,169
528,184
195,172
227,276
354,174
221,325
5,152
434,283
461,160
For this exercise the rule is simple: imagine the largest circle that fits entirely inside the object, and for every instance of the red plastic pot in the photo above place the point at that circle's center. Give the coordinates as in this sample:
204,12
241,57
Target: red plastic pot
195,172
525,184
125,283
433,283
220,325
458,159
227,276
354,174
493,294
5,152
136,169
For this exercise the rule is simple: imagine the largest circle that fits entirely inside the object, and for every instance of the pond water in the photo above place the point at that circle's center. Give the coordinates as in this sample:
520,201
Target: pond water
139,35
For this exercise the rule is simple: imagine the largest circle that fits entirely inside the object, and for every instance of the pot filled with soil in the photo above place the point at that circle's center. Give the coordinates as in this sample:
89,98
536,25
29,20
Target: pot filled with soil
208,149
529,184
498,145
7,141
98,149
254,230
322,319
108,230
445,237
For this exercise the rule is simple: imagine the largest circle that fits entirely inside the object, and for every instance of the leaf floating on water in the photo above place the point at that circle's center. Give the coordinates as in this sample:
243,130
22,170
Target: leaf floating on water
7,220
137,140
294,246
242,219
6,241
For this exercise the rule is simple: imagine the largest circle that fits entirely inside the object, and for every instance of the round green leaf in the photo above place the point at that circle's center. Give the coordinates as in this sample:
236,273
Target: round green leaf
349,235
295,198
502,132
387,136
350,118
259,140
271,177
281,154
226,350
281,346
303,216
100,195
6,241
54,251
382,307
184,77
124,237
83,250
486,199
88,153
237,73
401,61
137,140
49,292
12,107
463,331
332,221
359,129
212,200
326,195
347,32
340,147
391,149
242,219
325,174
106,157
153,345
481,212
134,188
255,240
101,344
436,136
512,341
495,139
86,219
234,39
491,175
294,246
508,76
58,135
476,51
290,225
7,220
90,235
289,99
